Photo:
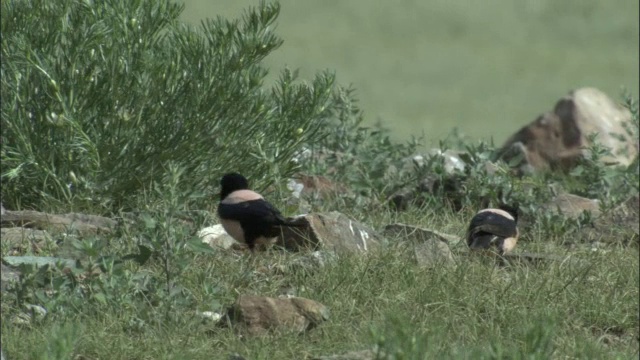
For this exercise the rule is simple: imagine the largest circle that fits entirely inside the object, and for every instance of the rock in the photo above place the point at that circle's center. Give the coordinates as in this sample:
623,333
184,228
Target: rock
101,222
19,237
9,275
259,314
572,206
38,261
429,247
330,231
352,355
558,139
216,237
85,224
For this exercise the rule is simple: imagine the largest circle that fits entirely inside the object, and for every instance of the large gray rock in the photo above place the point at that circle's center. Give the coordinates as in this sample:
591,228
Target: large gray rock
329,231
558,139
257,315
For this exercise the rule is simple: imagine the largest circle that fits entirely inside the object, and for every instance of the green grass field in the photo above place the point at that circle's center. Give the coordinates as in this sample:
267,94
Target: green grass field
564,310
429,66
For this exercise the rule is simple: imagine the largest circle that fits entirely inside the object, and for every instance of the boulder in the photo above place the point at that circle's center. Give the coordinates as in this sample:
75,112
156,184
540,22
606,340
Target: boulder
557,139
328,231
257,315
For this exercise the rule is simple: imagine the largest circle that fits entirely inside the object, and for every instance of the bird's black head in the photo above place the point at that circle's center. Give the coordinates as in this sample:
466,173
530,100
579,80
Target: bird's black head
231,182
511,209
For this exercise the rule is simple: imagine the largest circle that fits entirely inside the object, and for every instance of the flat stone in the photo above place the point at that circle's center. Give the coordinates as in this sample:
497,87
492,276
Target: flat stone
329,231
257,315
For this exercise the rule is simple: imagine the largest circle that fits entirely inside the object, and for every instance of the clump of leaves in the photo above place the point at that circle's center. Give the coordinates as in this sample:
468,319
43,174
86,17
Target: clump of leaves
363,157
141,278
99,96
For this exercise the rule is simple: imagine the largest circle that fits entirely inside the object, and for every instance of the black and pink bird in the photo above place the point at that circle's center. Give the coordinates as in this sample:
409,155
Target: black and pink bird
494,229
246,215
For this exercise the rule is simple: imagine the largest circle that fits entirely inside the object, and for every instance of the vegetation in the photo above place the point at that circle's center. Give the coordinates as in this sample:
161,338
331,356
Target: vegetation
118,108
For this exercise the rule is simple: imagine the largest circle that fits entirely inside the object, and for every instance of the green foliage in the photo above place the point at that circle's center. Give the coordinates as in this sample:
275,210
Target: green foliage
365,158
98,97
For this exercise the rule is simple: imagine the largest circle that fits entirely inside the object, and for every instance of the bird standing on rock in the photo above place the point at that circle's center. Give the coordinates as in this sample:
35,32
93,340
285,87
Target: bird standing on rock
246,215
494,228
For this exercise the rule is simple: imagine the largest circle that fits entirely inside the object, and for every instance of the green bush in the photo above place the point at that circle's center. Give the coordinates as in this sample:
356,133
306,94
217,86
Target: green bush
98,98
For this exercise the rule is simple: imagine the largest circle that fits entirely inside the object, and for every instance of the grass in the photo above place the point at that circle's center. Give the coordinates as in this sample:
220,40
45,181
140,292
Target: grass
474,310
486,68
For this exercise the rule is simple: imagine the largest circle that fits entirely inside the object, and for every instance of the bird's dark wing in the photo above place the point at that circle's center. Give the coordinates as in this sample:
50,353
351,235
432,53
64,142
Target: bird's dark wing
493,224
251,211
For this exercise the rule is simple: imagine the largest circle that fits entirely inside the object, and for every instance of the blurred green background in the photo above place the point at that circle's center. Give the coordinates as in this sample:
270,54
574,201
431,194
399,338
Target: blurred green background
486,67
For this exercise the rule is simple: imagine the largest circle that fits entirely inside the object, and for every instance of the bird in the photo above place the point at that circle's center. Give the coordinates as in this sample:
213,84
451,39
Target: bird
246,215
494,229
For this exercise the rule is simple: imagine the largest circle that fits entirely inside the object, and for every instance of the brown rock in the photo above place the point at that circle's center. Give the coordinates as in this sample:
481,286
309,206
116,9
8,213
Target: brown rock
557,139
572,206
259,314
330,231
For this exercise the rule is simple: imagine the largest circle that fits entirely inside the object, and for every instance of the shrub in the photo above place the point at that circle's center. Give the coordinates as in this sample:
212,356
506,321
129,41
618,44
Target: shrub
99,97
